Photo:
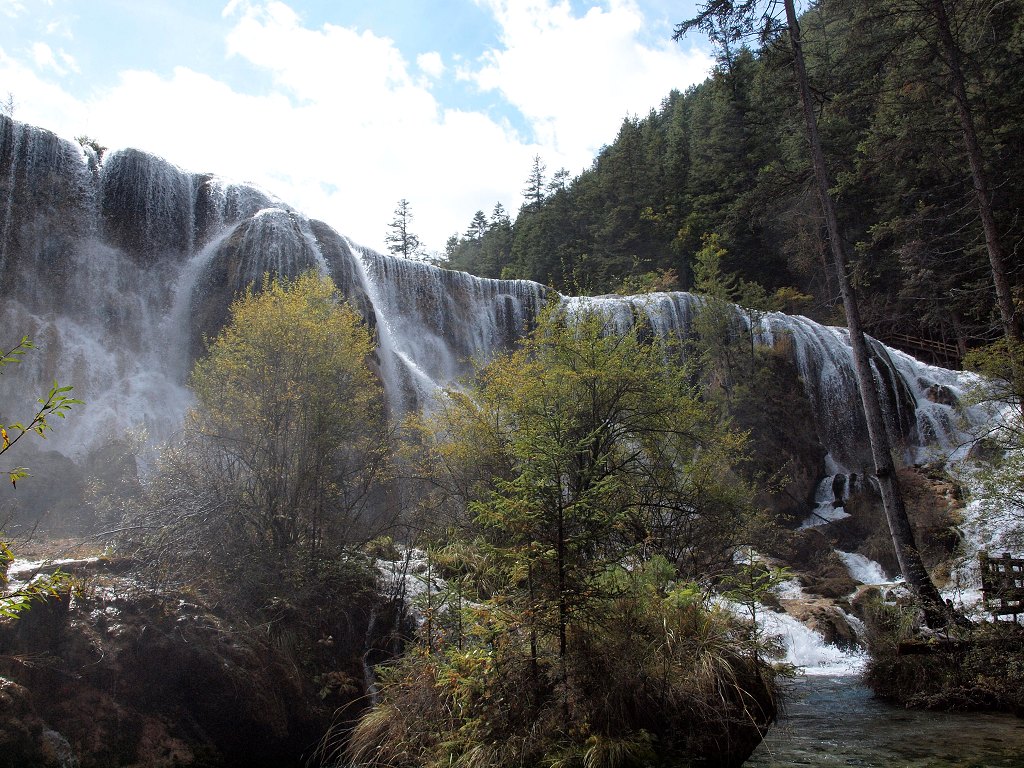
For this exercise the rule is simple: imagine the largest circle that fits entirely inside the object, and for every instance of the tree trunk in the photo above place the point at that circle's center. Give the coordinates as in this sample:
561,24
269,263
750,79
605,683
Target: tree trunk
907,554
563,616
979,177
534,666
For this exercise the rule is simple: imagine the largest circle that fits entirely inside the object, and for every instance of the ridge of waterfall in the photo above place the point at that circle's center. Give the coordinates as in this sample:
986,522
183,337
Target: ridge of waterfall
405,384
119,268
919,401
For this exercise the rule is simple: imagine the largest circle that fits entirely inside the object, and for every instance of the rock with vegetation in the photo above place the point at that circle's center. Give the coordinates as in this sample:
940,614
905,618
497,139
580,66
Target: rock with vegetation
934,505
973,667
122,674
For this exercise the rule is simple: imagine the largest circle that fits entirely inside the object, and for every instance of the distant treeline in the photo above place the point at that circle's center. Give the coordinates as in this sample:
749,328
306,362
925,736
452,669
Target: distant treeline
729,157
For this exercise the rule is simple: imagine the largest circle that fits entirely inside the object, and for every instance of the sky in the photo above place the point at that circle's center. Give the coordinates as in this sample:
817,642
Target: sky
342,108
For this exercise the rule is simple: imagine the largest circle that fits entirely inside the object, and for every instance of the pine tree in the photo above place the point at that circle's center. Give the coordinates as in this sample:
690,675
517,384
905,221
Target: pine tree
534,189
477,227
400,240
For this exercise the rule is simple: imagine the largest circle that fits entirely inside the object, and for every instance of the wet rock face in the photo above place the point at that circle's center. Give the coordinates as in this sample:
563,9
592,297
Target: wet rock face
943,395
826,619
118,269
146,207
784,442
133,678
123,266
46,194
933,505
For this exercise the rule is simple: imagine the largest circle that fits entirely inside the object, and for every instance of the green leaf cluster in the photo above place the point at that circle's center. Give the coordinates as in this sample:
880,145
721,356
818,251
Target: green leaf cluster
56,403
15,602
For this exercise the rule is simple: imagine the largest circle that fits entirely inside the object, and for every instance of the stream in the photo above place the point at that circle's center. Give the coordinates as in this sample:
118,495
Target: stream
833,720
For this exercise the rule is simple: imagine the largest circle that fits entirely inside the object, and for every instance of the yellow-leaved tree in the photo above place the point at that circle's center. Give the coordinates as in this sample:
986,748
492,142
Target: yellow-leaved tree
283,452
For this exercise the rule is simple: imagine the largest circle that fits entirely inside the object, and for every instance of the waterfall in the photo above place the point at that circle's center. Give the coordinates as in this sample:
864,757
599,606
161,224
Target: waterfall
435,322
919,401
118,270
146,206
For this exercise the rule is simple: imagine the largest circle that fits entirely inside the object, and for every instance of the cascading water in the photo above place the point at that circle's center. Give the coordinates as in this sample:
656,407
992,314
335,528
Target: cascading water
119,271
918,400
433,323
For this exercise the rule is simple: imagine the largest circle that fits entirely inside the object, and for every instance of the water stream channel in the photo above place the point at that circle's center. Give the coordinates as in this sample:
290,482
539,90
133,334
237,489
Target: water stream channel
833,720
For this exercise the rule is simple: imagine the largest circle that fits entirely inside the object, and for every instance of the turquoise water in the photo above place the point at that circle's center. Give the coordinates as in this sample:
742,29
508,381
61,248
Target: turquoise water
835,721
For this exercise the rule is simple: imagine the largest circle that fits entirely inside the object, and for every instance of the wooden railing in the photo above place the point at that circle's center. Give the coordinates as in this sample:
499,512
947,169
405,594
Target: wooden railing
935,351
1002,583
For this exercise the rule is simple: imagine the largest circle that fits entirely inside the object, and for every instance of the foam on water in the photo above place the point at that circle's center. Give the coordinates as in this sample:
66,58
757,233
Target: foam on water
864,569
807,649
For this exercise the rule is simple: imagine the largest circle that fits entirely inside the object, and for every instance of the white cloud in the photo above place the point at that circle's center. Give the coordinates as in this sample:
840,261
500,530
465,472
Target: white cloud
69,61
38,100
576,77
431,64
45,58
12,8
340,124
363,125
42,55
341,130
62,27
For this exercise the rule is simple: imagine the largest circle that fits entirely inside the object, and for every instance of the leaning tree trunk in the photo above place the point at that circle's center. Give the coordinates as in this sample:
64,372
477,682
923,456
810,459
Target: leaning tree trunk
907,554
983,194
979,177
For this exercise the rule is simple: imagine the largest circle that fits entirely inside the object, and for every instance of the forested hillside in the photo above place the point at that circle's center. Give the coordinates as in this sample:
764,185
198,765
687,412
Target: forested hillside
729,157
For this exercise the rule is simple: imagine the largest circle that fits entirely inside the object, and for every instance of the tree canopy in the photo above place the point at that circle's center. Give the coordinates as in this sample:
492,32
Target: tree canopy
581,486
401,240
285,447
728,156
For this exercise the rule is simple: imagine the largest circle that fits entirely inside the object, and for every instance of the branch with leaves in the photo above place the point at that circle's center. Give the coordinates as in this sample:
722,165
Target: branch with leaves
56,404
16,602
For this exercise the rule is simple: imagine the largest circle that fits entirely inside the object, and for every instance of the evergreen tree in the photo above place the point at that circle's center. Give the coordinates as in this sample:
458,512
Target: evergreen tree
499,217
533,192
728,156
477,227
558,181
451,247
583,476
401,241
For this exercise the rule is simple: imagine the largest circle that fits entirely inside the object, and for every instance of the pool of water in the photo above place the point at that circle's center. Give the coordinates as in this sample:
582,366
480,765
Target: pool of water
835,721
